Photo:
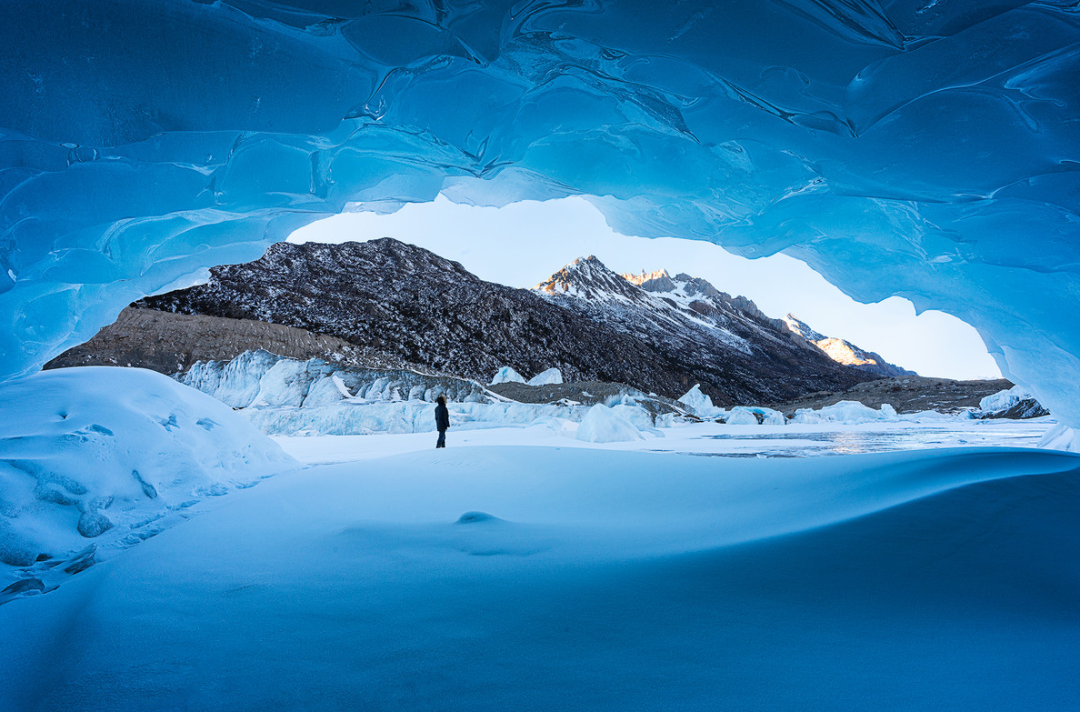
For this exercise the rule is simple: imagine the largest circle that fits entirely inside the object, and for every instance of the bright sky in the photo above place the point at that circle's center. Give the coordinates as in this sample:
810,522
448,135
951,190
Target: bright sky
522,244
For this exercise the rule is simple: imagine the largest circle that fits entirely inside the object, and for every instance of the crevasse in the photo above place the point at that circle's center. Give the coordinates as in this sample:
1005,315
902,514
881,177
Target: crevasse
924,149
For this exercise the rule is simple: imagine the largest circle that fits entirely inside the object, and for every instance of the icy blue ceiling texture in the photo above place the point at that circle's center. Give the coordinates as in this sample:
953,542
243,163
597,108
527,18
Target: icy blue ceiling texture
926,148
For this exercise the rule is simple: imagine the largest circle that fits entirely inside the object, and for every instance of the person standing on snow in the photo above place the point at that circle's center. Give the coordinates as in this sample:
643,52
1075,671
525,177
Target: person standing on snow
442,420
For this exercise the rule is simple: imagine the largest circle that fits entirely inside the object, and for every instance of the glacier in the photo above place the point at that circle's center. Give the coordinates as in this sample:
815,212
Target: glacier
900,147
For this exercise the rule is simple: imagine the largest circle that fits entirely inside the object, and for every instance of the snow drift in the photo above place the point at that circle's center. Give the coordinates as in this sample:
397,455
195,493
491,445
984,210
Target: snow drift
106,455
515,578
897,147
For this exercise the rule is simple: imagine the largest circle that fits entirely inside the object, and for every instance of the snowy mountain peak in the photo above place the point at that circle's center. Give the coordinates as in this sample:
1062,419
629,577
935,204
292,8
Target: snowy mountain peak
656,281
801,328
844,352
589,278
696,294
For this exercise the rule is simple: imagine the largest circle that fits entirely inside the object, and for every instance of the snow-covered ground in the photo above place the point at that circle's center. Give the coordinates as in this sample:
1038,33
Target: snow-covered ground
556,578
699,566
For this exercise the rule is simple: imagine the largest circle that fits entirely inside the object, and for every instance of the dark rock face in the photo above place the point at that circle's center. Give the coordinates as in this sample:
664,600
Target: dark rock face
907,394
409,304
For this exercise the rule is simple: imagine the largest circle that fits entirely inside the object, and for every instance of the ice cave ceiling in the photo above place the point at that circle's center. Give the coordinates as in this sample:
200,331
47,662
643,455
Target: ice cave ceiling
926,148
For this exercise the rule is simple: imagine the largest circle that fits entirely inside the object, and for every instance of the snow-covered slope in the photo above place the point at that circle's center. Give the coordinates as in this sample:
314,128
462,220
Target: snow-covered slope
845,352
687,320
96,458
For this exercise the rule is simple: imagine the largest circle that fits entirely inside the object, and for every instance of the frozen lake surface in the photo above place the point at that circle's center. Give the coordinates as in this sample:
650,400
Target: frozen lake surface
702,439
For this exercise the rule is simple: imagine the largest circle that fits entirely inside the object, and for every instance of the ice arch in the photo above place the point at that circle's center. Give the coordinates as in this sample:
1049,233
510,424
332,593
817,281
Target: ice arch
927,148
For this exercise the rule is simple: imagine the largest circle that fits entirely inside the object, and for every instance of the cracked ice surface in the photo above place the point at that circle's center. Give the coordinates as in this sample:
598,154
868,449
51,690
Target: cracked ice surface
926,149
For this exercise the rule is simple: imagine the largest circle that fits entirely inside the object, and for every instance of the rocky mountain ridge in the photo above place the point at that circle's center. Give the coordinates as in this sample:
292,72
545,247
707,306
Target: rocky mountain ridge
408,304
845,352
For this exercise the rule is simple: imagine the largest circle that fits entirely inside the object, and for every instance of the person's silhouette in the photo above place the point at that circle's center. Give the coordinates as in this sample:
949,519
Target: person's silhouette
442,420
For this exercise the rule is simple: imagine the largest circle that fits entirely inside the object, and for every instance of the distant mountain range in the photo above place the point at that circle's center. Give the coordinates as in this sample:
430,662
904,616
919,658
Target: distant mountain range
395,303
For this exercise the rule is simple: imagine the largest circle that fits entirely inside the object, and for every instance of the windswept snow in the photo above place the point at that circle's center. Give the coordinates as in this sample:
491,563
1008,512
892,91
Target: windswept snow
498,575
508,578
110,456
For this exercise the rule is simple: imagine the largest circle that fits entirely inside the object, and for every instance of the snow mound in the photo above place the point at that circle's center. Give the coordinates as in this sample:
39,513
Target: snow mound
506,374
106,453
606,425
851,412
550,377
477,518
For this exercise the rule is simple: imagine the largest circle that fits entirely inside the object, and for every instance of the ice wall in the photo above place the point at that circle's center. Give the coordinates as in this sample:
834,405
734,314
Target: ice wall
922,148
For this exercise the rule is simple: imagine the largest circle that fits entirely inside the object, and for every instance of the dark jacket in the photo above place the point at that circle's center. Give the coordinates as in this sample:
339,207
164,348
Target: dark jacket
442,417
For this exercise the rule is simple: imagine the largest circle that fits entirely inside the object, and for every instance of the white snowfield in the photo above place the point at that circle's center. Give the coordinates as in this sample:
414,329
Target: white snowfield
592,565
111,456
546,578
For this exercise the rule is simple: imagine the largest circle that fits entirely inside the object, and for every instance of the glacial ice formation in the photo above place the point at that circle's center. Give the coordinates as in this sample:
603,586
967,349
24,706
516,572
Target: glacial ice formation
607,425
851,412
507,374
1003,400
551,376
699,403
928,150
283,396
